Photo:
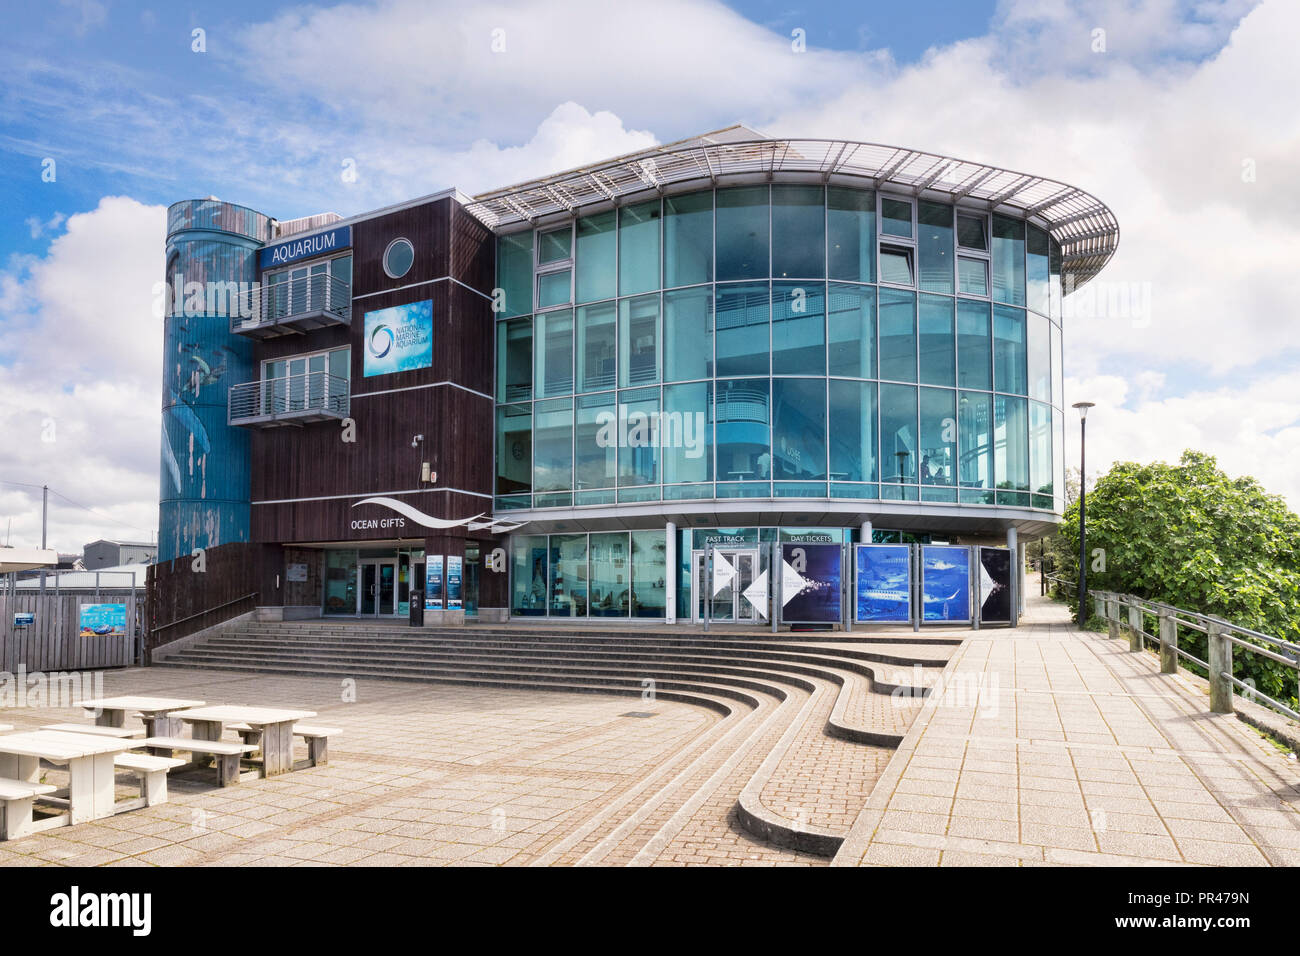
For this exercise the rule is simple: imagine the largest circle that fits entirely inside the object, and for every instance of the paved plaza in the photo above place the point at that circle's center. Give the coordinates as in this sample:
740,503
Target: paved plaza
1042,746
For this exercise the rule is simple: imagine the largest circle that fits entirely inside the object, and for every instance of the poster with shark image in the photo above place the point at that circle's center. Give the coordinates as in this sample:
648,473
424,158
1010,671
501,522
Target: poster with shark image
810,583
884,582
945,583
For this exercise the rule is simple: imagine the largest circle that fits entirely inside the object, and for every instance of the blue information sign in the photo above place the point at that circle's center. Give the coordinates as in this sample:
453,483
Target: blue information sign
433,583
454,566
103,620
304,247
884,582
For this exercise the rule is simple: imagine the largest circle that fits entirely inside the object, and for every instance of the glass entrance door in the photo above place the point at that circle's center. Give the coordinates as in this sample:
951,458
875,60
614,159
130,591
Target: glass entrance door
469,583
729,604
377,592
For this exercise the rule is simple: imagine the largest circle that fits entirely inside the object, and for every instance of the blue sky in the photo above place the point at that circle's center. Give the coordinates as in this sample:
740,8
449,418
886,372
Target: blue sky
1159,123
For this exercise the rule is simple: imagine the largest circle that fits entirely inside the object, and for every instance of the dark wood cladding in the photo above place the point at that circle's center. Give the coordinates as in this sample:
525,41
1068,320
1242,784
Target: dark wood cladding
236,578
448,403
333,519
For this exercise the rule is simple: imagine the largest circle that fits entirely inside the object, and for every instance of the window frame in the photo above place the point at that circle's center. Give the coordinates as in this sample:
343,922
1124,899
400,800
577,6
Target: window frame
541,269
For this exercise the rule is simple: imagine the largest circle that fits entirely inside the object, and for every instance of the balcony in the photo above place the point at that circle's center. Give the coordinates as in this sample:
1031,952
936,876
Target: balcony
289,400
293,306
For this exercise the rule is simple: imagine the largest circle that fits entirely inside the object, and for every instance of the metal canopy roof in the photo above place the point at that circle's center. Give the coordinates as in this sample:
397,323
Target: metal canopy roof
1086,229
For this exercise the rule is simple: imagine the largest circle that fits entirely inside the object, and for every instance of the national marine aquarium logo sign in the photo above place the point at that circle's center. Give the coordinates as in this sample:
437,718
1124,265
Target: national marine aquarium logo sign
399,338
810,583
291,250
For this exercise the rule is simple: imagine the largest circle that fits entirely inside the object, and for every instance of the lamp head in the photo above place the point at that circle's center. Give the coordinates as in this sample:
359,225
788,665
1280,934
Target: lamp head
1083,409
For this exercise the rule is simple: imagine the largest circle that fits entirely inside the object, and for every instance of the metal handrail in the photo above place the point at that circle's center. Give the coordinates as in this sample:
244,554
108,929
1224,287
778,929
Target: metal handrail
182,620
289,396
270,303
1222,636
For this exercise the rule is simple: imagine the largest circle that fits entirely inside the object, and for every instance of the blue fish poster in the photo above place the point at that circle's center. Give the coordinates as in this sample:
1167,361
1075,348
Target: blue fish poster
945,582
884,582
103,620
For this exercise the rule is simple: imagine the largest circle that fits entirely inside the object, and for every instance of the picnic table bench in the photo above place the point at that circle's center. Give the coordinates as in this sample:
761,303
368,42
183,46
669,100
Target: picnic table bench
16,799
274,724
226,753
95,730
89,760
154,711
316,738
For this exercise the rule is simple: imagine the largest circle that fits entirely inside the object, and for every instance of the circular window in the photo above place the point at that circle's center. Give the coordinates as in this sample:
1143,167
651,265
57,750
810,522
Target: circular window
398,258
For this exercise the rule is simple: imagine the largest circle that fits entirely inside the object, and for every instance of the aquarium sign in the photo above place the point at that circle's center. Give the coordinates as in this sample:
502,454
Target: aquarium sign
884,583
291,250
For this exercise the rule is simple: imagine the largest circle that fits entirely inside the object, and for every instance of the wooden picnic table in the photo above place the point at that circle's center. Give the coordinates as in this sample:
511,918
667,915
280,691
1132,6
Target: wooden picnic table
155,711
274,724
89,760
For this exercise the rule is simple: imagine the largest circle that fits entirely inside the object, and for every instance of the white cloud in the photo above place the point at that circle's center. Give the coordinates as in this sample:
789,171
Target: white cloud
80,374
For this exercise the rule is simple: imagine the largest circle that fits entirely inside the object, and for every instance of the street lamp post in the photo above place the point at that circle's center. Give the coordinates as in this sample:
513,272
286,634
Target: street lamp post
1083,510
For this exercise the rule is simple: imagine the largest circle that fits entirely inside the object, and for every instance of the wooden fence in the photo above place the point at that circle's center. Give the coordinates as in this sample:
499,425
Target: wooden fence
53,641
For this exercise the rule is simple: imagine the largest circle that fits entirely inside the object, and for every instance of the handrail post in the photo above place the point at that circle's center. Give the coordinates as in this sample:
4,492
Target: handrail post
1168,642
1135,639
1220,661
1112,618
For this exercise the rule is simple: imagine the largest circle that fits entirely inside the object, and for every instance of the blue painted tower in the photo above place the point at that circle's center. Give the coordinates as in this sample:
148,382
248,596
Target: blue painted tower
204,494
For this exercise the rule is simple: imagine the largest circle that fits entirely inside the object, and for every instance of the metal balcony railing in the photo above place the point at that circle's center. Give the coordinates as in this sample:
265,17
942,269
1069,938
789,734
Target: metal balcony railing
293,305
289,399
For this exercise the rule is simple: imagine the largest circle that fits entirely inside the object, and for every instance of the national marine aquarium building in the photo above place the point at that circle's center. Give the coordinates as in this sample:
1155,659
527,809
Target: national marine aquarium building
688,384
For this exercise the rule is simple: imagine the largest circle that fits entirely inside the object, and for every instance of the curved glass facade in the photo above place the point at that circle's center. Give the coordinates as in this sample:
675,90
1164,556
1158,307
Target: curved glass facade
779,341
211,254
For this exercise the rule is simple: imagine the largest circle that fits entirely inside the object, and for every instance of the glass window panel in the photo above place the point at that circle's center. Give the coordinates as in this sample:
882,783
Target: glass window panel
1054,277
649,574
897,335
595,261
852,431
971,233
554,246
1058,390
340,582
515,273
743,437
553,288
974,345
934,246
851,328
1040,357
1008,260
898,458
896,265
529,576
688,239
937,344
851,237
975,439
1010,443
1037,272
896,217
799,428
743,221
611,575
1040,454
638,248
972,276
514,449
553,355
595,441
686,428
1009,351
798,328
515,360
798,232
568,575
688,334
1058,462
938,436
638,338
638,437
553,445
742,329
597,347
340,362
